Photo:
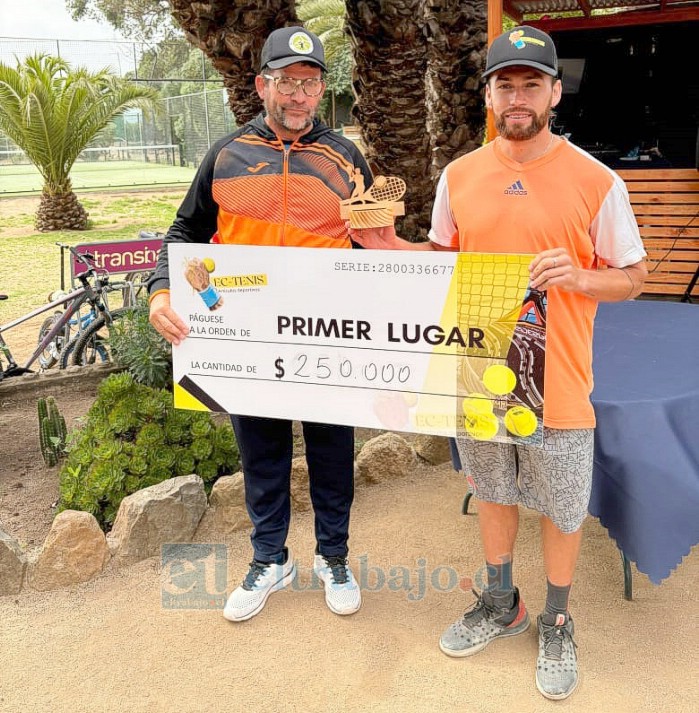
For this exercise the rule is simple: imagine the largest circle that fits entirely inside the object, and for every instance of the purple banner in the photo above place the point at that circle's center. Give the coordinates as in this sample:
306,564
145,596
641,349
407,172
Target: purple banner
119,256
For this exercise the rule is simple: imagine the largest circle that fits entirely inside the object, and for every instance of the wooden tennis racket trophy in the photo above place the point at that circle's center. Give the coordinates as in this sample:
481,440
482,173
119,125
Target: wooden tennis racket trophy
376,207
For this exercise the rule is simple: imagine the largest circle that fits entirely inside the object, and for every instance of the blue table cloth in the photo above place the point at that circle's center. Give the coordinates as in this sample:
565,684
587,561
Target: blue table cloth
645,488
646,477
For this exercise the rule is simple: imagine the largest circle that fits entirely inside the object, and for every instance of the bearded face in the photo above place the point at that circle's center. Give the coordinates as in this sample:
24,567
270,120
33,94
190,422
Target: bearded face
521,99
289,115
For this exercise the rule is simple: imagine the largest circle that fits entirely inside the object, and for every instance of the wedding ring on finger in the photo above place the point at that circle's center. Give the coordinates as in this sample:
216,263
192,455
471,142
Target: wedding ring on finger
554,263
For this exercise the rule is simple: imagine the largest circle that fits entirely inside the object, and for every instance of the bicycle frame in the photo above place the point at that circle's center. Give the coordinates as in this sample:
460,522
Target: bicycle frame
74,300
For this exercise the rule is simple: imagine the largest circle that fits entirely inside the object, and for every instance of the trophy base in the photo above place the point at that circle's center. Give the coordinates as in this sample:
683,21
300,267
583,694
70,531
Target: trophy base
372,215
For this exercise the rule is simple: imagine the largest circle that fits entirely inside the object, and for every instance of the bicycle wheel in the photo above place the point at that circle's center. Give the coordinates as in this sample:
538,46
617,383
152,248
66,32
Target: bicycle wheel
95,351
67,352
52,351
92,344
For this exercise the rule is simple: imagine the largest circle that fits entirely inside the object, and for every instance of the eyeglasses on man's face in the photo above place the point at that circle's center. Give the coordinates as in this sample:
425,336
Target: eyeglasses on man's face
311,87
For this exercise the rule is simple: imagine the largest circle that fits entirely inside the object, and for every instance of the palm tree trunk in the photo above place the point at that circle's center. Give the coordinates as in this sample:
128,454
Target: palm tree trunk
390,56
457,44
231,34
60,210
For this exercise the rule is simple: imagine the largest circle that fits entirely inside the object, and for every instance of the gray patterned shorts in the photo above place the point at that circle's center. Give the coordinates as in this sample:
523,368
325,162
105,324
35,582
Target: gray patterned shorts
554,480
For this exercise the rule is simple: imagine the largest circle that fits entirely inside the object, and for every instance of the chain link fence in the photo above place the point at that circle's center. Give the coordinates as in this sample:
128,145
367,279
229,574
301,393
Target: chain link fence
138,148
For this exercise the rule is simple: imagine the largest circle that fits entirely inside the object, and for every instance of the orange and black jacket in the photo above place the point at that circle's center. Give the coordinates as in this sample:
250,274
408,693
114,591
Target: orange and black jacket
252,189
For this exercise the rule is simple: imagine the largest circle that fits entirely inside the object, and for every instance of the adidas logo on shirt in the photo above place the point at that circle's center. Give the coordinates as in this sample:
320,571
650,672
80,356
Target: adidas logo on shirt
516,189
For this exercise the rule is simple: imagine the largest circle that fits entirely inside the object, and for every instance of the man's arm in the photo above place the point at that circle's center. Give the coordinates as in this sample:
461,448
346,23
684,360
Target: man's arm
386,239
555,268
617,241
196,222
443,228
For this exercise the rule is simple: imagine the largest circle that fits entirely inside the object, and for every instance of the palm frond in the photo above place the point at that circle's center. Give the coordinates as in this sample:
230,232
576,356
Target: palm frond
326,18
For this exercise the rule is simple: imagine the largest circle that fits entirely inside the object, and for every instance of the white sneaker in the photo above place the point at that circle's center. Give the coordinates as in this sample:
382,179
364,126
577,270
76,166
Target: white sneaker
261,580
342,593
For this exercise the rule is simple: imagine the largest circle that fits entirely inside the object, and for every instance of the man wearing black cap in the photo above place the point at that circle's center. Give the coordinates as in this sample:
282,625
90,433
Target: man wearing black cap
254,187
530,191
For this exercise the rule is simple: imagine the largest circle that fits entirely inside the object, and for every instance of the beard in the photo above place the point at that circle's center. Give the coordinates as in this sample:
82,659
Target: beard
293,123
523,133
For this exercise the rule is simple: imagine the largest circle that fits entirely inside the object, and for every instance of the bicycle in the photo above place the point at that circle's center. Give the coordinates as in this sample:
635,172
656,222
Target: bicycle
139,280
87,345
52,353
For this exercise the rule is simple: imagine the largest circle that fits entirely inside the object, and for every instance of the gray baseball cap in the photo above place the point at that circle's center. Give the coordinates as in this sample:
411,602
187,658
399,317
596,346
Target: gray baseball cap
290,45
524,46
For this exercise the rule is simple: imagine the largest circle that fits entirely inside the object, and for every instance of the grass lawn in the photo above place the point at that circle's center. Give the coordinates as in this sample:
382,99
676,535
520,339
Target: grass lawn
30,267
90,176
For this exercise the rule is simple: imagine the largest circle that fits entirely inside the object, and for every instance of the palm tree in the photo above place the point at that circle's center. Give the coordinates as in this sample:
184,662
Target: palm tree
419,93
389,48
52,113
457,41
231,34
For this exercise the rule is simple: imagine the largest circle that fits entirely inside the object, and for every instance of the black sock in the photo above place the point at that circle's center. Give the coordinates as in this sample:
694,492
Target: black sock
500,587
556,602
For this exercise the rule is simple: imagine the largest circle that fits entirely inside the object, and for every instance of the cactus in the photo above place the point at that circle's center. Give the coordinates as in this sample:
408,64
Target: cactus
52,431
43,409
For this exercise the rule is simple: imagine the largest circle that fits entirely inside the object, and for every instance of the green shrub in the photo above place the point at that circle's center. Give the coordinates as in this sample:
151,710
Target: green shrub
138,348
133,437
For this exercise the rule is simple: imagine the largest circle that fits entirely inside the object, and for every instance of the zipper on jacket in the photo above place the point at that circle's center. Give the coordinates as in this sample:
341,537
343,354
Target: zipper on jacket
285,185
285,182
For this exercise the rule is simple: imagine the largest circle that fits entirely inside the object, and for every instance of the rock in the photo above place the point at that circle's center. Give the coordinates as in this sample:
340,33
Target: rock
384,458
75,550
227,513
434,449
12,565
300,493
167,512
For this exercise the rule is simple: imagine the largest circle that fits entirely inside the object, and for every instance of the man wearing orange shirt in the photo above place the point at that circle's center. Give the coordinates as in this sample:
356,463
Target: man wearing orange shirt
530,191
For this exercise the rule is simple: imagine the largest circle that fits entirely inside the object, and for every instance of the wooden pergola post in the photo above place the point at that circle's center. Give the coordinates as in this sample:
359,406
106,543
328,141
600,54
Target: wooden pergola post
494,29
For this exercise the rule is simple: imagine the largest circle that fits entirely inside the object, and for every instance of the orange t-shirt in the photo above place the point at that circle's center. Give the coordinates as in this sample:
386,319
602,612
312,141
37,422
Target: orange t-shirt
486,202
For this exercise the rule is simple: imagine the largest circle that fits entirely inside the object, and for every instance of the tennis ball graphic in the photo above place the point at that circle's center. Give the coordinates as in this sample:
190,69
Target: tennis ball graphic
499,379
380,181
476,404
520,421
209,264
482,427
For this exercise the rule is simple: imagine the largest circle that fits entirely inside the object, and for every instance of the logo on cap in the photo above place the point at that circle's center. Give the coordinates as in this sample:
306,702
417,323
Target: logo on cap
519,40
301,43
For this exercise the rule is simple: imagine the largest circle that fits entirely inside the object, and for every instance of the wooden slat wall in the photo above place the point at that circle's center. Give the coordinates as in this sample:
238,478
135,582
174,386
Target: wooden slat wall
666,205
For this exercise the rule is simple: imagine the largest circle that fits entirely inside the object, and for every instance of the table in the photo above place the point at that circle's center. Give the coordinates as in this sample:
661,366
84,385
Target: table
645,488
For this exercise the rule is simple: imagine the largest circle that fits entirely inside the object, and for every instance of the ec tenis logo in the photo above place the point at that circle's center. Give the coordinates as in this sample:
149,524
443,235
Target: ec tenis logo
238,281
301,43
520,40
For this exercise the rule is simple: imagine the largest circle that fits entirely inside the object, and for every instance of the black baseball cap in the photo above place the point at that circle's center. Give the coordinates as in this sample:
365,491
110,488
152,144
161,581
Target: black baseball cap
525,46
290,45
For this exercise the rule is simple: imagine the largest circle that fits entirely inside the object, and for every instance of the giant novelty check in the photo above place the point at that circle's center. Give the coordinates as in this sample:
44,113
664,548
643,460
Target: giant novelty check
429,342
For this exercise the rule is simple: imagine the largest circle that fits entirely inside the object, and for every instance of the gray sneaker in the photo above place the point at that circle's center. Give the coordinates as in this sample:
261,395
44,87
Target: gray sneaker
482,623
557,665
